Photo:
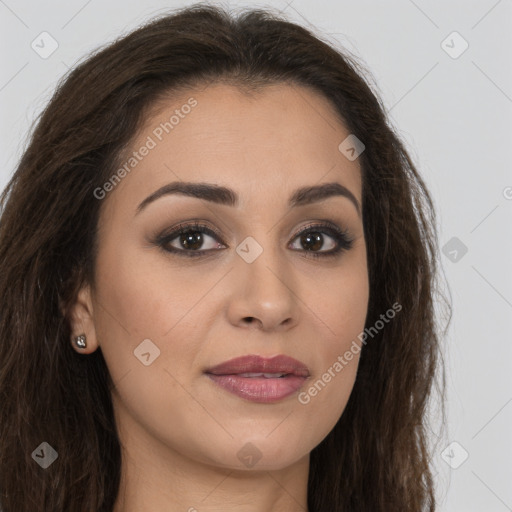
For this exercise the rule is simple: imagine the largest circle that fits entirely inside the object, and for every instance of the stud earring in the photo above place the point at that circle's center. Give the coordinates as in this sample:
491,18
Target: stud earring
80,341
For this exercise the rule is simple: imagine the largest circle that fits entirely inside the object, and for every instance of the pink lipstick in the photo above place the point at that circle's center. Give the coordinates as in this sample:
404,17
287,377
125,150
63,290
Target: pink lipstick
260,379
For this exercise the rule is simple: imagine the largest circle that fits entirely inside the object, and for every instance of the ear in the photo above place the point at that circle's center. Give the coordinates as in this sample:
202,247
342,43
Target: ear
81,315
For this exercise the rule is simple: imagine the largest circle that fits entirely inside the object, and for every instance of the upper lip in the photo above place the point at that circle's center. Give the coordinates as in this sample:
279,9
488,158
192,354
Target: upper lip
258,364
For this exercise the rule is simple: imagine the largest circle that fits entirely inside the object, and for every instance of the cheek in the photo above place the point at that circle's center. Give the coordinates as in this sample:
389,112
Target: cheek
326,394
136,303
341,302
149,299
342,308
129,309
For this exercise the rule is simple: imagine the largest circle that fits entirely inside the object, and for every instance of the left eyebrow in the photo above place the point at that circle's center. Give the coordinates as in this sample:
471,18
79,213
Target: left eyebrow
223,195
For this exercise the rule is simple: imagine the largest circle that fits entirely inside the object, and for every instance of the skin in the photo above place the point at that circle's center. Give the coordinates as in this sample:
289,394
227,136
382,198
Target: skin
180,433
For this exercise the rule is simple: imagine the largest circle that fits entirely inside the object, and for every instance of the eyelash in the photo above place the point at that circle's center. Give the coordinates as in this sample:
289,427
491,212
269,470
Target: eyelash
343,240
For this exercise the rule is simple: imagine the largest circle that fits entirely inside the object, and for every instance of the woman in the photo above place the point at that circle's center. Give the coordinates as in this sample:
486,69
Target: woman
217,275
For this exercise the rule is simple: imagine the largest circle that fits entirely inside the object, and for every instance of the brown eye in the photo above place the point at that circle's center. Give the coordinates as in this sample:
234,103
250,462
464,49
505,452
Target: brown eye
313,239
190,240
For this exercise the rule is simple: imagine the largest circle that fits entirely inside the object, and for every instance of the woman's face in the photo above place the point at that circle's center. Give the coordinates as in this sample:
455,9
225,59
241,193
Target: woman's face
249,281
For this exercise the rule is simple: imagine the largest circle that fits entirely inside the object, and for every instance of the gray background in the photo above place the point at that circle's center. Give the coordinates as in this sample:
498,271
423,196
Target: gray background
453,113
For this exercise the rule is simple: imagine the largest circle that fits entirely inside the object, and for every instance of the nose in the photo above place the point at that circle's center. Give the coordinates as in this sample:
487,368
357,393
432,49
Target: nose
263,295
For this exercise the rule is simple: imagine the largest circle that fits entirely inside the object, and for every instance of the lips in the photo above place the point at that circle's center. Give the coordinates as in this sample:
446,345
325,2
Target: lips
260,379
257,364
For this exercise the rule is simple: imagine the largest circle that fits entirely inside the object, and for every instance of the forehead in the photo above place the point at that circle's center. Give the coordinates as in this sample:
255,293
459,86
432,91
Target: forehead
262,143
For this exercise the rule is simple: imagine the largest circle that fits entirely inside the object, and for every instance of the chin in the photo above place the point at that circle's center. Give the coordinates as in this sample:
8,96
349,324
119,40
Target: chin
257,453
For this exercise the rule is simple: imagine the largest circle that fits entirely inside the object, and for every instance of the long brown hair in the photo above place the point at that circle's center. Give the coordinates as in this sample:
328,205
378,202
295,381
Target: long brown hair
377,457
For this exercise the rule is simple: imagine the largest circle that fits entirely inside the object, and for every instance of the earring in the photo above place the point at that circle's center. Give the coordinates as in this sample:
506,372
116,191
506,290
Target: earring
80,341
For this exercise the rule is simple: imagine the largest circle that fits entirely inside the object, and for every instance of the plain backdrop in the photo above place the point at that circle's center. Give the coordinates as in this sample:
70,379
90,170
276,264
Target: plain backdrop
443,70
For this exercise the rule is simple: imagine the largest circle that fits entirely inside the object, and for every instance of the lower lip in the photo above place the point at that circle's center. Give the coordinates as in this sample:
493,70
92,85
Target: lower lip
259,389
